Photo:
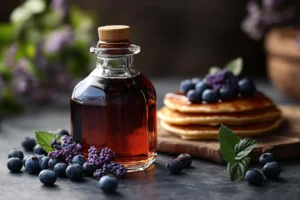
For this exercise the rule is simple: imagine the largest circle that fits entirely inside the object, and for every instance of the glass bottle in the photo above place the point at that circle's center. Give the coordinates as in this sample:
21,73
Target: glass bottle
115,106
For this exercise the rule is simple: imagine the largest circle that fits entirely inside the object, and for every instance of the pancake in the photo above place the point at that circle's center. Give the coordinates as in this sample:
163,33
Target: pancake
211,132
214,119
179,102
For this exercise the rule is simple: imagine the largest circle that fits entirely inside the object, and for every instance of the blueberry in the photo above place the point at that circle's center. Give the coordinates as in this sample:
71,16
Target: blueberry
196,80
186,85
47,177
210,96
227,93
265,158
16,154
254,177
186,159
247,87
201,86
32,165
60,169
193,96
39,150
25,158
63,132
108,184
28,144
74,172
52,162
79,159
174,166
40,157
44,163
272,170
14,164
88,170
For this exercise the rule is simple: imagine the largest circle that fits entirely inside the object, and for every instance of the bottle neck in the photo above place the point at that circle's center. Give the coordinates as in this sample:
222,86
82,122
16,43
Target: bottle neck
115,67
115,60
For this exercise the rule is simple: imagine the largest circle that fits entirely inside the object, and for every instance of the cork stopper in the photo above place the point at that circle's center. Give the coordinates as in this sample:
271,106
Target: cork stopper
114,33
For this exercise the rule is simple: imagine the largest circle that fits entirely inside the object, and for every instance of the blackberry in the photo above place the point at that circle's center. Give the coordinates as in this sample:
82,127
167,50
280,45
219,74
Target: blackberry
65,151
16,154
223,77
98,158
14,164
28,144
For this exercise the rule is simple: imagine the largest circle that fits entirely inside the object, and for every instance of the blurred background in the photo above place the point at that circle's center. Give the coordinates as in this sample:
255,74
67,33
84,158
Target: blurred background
42,39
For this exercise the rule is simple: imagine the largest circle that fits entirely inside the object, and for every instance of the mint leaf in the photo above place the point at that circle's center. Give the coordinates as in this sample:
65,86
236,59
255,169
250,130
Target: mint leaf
228,141
214,69
44,139
238,168
244,147
235,66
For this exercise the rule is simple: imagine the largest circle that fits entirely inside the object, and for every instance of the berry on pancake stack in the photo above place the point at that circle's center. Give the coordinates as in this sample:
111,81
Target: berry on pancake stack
197,111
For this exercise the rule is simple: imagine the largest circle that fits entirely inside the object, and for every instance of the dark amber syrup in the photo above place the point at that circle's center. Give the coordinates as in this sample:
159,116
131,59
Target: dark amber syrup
119,113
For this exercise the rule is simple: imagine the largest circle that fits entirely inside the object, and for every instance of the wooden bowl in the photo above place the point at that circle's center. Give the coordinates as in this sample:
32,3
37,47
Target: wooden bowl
283,60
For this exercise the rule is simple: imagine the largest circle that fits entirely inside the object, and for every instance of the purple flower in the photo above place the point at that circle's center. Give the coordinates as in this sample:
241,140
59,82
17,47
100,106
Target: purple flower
61,6
58,40
10,55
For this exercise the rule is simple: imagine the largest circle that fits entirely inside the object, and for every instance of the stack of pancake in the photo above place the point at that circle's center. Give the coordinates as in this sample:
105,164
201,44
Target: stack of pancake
245,116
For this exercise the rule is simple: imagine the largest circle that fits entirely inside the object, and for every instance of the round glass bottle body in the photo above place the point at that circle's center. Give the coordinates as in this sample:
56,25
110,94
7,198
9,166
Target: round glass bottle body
115,107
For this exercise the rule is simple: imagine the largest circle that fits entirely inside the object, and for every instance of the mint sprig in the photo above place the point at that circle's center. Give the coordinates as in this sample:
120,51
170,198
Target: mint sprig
235,66
44,139
235,152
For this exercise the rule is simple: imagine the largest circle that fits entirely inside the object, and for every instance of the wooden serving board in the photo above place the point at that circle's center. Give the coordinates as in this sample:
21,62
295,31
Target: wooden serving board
284,143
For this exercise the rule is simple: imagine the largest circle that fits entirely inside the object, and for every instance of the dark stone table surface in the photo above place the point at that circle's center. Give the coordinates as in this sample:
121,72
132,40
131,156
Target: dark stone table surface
204,180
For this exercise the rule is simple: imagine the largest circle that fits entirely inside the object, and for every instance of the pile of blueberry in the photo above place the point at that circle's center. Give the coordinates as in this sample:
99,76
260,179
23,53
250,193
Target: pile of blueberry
66,161
271,169
176,165
222,86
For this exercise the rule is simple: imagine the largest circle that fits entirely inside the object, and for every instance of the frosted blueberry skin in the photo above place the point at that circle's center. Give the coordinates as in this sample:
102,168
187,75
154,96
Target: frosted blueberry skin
272,170
174,166
186,85
210,96
88,170
79,159
74,172
47,177
63,132
38,150
44,162
32,165
194,96
28,144
60,169
14,165
254,177
265,158
108,184
16,154
186,159
246,87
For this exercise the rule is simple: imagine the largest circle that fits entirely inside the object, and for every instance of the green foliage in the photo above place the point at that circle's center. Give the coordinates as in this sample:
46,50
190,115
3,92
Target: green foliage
31,25
235,152
235,66
44,139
